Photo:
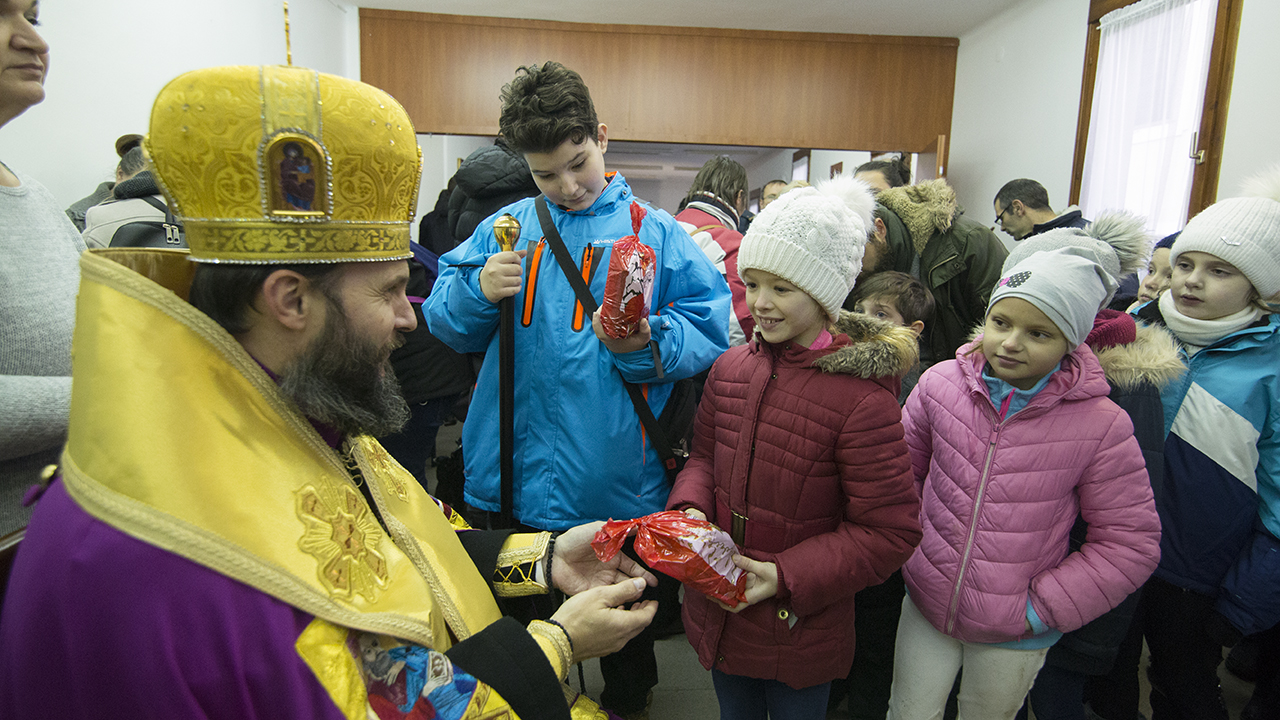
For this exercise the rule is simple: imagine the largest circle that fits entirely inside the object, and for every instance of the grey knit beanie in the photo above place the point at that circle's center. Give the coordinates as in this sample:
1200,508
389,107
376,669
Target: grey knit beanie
1116,241
1244,231
813,238
1067,284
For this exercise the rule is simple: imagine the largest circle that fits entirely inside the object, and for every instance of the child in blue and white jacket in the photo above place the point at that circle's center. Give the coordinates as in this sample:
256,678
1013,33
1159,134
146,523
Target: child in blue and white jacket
1219,572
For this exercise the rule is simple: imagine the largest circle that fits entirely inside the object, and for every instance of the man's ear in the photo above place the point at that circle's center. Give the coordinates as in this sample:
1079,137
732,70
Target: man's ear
1016,207
916,327
881,231
290,299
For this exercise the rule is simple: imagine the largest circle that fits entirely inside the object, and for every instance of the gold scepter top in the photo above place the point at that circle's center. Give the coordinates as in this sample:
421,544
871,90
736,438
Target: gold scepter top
506,230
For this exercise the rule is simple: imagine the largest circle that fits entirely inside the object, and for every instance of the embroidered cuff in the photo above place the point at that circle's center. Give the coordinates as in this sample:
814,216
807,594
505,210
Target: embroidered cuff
554,641
520,568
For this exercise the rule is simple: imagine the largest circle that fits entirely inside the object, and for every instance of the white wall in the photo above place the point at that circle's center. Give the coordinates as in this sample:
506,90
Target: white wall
441,155
1017,98
1016,102
773,166
108,62
777,165
820,162
1250,144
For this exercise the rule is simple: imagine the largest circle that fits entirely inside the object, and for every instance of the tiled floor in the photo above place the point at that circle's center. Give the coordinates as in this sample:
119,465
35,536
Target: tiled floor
684,690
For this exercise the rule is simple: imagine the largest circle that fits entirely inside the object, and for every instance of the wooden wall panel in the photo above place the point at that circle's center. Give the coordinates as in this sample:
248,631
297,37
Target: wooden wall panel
662,84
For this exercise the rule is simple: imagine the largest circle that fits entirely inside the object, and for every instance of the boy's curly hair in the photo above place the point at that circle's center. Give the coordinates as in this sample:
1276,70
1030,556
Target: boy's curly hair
544,106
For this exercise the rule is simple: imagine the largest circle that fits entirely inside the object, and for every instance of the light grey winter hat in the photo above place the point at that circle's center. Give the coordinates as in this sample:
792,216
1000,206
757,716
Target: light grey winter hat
813,237
1116,241
1068,285
1244,231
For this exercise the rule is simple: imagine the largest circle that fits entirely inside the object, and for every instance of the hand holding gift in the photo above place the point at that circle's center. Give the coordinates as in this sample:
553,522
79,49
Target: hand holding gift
693,551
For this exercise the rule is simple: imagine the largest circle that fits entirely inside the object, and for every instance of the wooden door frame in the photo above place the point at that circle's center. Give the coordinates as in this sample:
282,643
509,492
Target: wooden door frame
1213,117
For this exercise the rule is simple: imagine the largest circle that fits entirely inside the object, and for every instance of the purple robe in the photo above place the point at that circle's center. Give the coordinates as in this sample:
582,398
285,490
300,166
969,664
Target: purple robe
209,646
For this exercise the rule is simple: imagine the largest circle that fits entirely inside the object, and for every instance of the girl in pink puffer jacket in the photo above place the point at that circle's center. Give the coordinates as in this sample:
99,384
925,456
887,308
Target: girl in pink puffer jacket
1009,442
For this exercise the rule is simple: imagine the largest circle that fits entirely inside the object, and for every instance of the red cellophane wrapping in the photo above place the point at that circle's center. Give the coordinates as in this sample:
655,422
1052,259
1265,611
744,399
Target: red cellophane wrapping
693,551
629,284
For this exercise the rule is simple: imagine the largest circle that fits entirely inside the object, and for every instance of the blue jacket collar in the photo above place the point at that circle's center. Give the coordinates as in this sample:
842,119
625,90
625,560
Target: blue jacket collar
617,191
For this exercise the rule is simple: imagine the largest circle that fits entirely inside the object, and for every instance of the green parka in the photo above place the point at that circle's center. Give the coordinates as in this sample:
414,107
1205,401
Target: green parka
959,259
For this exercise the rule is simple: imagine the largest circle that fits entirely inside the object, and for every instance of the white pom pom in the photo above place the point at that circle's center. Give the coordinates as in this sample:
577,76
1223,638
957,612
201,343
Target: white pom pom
1265,184
856,194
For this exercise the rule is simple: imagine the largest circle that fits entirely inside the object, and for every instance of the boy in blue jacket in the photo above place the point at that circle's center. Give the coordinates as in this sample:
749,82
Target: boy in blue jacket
580,450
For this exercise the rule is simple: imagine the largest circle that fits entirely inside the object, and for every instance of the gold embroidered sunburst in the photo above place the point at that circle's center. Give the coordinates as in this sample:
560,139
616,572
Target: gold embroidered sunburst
342,534
384,466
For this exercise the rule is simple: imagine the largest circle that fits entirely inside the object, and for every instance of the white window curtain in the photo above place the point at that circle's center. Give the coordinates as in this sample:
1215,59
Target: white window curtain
1153,58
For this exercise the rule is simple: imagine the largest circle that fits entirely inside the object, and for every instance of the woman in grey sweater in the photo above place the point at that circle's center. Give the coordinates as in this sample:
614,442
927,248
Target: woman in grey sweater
39,275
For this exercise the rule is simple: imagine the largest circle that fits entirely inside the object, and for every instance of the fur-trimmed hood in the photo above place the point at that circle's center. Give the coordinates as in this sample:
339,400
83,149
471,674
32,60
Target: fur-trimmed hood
925,208
877,348
1152,358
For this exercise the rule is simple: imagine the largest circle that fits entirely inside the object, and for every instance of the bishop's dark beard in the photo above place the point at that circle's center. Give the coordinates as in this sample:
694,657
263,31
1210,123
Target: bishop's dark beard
346,382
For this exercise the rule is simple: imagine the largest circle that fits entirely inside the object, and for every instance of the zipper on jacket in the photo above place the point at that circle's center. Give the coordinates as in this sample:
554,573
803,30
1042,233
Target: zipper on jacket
953,609
940,264
738,529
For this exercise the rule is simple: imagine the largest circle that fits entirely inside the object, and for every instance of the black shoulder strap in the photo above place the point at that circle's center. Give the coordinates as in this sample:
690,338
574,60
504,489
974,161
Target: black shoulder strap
561,252
659,439
153,202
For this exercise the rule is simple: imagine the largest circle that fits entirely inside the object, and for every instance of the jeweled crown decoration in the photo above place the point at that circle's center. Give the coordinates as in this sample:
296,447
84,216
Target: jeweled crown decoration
280,164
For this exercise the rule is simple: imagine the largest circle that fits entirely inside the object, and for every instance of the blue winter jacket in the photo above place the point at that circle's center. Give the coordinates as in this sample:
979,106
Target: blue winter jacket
580,451
1221,507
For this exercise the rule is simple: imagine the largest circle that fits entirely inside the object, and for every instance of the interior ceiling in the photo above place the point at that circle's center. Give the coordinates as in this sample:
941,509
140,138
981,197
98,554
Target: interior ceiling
938,18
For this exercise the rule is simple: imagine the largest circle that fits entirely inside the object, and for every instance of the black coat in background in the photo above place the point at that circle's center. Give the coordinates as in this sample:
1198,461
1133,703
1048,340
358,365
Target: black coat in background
490,179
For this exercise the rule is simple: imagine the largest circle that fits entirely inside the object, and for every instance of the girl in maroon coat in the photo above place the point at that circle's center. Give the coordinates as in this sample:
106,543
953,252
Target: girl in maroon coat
799,454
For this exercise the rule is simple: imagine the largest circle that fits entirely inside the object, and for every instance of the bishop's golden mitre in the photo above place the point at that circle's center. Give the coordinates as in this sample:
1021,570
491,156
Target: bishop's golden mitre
281,164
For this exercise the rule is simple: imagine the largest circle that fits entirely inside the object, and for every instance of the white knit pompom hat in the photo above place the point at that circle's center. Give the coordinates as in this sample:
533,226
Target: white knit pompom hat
813,238
1244,231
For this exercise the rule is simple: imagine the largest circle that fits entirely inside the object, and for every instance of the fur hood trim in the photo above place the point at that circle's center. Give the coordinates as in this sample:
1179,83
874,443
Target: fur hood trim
1152,358
878,348
924,208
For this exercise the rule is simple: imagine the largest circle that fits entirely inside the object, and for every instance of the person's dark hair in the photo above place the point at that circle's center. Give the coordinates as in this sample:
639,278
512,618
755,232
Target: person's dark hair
226,292
896,172
1166,242
911,298
1031,193
721,176
544,106
132,162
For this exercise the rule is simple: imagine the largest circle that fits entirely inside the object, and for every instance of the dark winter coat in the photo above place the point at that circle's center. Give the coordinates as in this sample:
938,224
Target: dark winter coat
490,179
1136,373
808,446
959,260
433,228
425,366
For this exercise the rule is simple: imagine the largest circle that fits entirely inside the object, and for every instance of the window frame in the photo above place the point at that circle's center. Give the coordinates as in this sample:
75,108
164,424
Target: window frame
1213,116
